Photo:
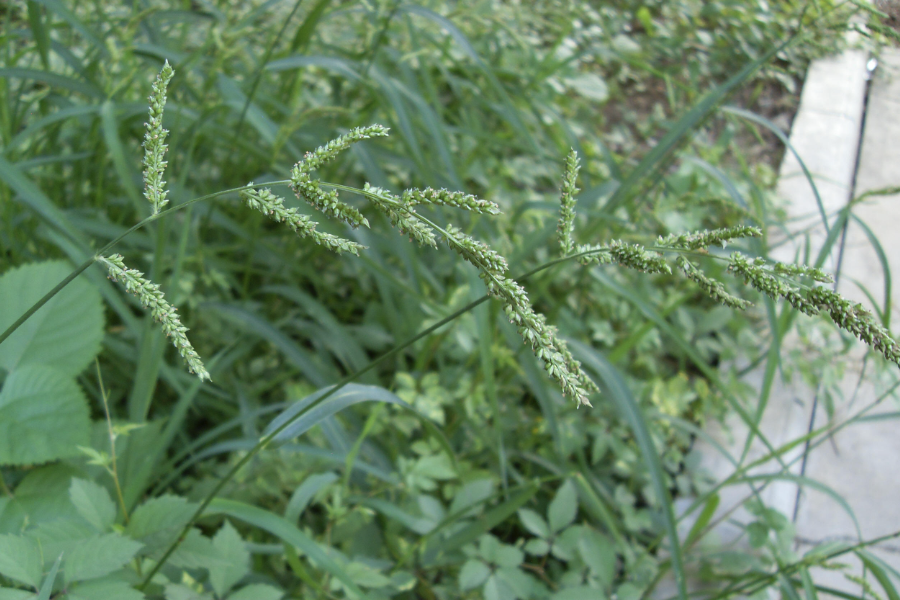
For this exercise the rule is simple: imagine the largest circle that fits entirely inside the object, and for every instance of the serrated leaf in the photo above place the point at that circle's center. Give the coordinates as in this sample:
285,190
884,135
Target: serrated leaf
230,548
472,574
563,507
158,521
99,556
44,416
534,523
103,588
20,560
497,589
61,536
197,552
257,591
65,332
92,502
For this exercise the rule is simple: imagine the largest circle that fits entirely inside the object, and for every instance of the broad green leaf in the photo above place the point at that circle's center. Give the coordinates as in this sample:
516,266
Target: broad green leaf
231,548
158,522
41,496
563,507
92,502
537,547
598,554
103,588
509,556
99,556
20,559
65,333
473,573
61,536
196,552
43,416
534,522
257,591
498,589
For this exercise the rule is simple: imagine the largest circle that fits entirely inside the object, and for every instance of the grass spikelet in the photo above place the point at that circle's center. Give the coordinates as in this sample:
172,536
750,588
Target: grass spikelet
756,275
704,239
155,143
309,189
271,205
401,215
566,223
151,297
856,319
531,325
444,197
715,289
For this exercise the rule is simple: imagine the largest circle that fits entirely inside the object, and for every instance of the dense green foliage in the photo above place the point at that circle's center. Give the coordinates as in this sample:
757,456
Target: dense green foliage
464,472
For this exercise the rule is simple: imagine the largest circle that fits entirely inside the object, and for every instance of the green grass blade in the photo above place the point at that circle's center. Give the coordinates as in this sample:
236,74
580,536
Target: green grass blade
54,80
256,325
285,531
750,116
40,33
885,269
631,412
880,570
47,586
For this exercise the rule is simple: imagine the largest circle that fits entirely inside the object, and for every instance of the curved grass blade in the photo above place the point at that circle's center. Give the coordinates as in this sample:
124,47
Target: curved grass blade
47,586
885,269
54,80
880,570
750,116
808,482
284,530
627,405
482,524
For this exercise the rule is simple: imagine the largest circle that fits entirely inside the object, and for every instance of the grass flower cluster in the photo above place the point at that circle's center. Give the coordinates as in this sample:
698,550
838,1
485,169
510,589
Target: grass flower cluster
151,297
566,224
271,205
155,142
309,189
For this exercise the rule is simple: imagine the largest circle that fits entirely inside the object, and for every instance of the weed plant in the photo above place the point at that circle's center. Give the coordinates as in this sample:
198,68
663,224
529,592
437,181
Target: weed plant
532,417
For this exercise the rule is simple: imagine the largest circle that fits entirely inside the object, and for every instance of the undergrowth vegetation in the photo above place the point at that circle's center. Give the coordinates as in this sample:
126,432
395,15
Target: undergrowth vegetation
533,362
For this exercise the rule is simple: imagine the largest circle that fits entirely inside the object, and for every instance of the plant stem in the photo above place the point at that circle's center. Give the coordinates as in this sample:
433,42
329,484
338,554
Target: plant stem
112,443
84,266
